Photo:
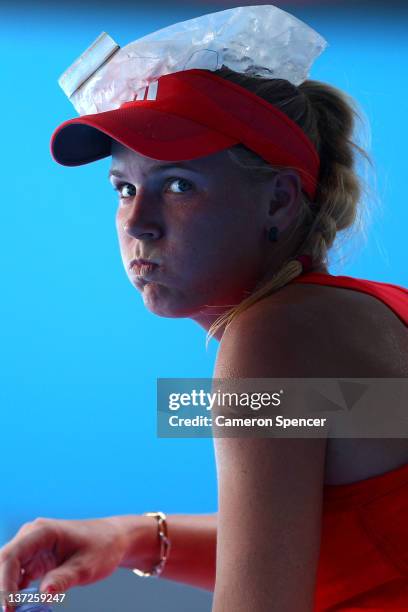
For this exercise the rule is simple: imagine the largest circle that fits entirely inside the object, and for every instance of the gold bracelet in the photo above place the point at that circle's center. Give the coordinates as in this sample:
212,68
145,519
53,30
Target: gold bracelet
164,545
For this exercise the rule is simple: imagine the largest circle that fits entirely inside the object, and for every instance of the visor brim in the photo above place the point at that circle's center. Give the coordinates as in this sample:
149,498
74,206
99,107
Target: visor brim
151,132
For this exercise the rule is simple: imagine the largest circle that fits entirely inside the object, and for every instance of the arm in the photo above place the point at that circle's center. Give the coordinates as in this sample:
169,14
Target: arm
193,546
269,489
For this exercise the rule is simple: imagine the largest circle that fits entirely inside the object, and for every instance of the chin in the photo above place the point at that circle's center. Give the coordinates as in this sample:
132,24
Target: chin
158,300
163,302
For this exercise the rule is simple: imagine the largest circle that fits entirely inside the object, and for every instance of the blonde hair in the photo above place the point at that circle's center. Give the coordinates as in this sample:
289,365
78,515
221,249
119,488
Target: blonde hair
327,115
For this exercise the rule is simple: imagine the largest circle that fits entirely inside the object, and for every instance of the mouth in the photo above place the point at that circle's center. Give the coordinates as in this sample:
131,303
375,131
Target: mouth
142,267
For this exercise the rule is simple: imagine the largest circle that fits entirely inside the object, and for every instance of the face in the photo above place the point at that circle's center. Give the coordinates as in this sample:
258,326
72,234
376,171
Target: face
201,221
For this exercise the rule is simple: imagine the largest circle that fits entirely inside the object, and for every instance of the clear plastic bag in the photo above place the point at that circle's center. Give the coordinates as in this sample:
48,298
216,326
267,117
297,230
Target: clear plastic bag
255,40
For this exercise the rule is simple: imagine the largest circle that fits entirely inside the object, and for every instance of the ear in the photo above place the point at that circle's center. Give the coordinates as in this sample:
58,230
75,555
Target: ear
285,192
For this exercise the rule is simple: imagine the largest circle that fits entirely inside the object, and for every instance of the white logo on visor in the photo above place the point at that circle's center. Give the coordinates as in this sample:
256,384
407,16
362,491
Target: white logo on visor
151,92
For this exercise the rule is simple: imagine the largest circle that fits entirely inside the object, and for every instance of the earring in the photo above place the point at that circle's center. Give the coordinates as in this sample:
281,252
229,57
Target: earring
273,234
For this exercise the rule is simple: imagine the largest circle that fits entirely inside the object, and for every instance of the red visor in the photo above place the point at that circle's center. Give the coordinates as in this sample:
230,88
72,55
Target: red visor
190,114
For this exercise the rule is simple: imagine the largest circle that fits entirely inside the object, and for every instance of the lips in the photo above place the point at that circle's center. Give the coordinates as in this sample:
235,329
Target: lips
141,267
141,261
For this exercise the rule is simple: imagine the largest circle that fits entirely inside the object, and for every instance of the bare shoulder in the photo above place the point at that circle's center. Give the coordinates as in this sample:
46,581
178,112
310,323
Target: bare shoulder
307,330
347,333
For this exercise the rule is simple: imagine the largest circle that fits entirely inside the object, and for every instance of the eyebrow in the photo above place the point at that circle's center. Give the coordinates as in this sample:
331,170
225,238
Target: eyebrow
155,169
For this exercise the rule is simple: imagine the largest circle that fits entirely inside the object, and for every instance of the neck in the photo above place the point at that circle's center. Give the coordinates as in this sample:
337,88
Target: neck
208,315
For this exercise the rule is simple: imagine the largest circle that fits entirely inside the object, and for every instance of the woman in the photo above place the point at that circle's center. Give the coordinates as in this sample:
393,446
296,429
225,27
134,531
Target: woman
239,244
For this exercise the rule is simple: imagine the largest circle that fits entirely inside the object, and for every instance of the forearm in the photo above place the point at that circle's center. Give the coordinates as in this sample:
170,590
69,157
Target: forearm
192,557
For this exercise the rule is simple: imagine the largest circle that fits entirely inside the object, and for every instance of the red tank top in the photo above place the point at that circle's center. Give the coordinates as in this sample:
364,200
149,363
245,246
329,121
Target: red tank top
363,563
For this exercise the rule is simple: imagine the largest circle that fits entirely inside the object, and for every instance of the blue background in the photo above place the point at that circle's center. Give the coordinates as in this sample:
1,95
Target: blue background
79,353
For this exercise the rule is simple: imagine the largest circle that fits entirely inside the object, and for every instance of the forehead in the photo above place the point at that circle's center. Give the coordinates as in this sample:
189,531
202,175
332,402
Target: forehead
124,158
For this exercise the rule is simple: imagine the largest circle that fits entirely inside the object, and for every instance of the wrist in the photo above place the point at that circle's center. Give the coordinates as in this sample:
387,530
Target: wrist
165,544
139,541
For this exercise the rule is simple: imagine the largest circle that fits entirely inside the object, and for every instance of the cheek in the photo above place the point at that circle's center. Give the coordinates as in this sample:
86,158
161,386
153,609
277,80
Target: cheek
222,240
118,224
123,245
121,234
223,265
234,241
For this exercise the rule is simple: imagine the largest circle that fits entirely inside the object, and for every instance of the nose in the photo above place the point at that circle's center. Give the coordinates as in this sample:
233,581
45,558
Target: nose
140,223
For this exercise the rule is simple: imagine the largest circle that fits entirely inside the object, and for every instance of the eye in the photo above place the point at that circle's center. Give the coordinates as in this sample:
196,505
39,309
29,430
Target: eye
125,190
181,181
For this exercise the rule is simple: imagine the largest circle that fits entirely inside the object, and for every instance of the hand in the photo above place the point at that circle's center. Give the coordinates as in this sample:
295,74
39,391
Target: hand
65,553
